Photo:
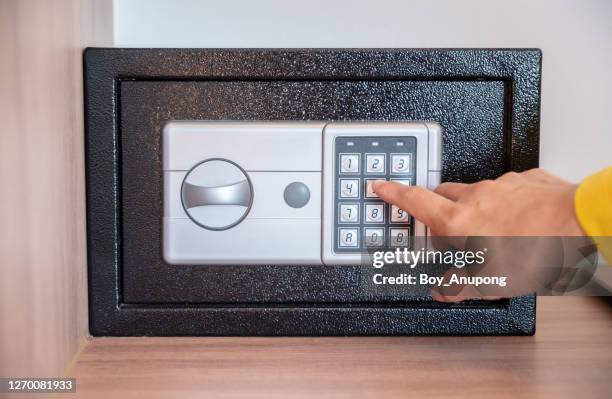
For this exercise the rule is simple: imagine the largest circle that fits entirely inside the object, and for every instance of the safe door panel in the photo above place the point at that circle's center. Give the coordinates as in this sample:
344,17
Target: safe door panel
471,113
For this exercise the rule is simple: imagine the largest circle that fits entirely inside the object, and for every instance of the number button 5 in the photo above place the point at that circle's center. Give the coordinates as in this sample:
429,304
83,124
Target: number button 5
374,237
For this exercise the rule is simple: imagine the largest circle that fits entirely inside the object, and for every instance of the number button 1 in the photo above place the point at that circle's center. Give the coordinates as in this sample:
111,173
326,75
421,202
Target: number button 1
349,163
349,238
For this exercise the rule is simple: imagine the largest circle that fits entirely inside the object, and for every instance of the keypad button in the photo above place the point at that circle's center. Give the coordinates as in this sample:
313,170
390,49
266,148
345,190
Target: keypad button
374,237
399,237
349,238
349,188
375,163
400,163
349,213
349,163
405,182
375,213
369,193
398,215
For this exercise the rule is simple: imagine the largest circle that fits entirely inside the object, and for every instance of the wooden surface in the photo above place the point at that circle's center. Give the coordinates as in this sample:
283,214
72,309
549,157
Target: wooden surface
570,356
43,292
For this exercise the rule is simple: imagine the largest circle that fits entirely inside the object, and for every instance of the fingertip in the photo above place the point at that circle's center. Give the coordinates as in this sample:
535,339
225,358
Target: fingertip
379,186
436,296
378,183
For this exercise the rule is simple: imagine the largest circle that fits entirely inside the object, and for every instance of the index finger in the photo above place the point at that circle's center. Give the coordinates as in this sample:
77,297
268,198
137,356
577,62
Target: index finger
430,208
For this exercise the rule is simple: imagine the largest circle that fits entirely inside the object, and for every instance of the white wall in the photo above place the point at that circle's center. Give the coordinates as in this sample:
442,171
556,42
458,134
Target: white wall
575,36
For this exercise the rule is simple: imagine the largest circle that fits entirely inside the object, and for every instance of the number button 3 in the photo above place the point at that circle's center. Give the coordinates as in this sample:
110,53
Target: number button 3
400,163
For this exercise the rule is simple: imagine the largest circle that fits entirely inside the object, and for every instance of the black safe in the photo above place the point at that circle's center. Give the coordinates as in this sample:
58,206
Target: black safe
486,100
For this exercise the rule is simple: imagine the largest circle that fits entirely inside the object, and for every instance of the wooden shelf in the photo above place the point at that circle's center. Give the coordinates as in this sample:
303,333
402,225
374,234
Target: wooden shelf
570,356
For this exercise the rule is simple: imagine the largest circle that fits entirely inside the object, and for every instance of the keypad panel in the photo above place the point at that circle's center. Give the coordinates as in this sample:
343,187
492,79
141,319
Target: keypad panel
362,220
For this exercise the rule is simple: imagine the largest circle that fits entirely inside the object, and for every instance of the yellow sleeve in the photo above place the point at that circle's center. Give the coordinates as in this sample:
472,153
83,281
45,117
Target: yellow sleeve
593,205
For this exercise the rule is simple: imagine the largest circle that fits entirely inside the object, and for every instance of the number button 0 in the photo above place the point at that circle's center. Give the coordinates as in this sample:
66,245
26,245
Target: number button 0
375,213
349,213
400,163
349,163
375,163
399,237
349,188
349,238
398,215
374,237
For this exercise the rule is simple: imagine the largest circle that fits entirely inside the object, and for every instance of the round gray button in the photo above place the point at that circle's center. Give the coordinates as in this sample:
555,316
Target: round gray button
297,194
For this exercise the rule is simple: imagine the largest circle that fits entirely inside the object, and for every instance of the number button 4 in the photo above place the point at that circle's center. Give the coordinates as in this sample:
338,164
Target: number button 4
349,188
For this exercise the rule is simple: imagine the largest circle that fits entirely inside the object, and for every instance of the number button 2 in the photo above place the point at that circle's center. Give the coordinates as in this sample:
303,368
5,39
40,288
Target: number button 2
375,163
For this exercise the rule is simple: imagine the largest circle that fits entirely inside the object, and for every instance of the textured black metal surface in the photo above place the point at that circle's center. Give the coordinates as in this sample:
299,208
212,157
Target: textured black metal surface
487,101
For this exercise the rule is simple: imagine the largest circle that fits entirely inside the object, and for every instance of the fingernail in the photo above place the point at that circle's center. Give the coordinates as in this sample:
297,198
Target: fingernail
377,183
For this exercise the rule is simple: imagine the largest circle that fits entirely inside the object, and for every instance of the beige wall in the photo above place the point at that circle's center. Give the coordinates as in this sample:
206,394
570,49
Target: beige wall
43,295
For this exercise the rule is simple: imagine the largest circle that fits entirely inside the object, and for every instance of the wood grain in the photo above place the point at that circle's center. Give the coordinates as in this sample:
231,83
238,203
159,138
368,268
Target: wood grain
43,294
570,356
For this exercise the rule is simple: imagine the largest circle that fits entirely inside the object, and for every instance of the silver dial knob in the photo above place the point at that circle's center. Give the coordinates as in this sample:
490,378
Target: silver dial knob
217,194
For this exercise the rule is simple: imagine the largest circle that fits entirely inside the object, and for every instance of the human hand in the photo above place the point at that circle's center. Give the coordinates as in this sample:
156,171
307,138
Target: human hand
535,205
532,203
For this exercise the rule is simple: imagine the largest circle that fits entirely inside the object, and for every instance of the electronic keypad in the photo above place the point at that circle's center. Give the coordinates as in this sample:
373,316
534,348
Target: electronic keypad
290,192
